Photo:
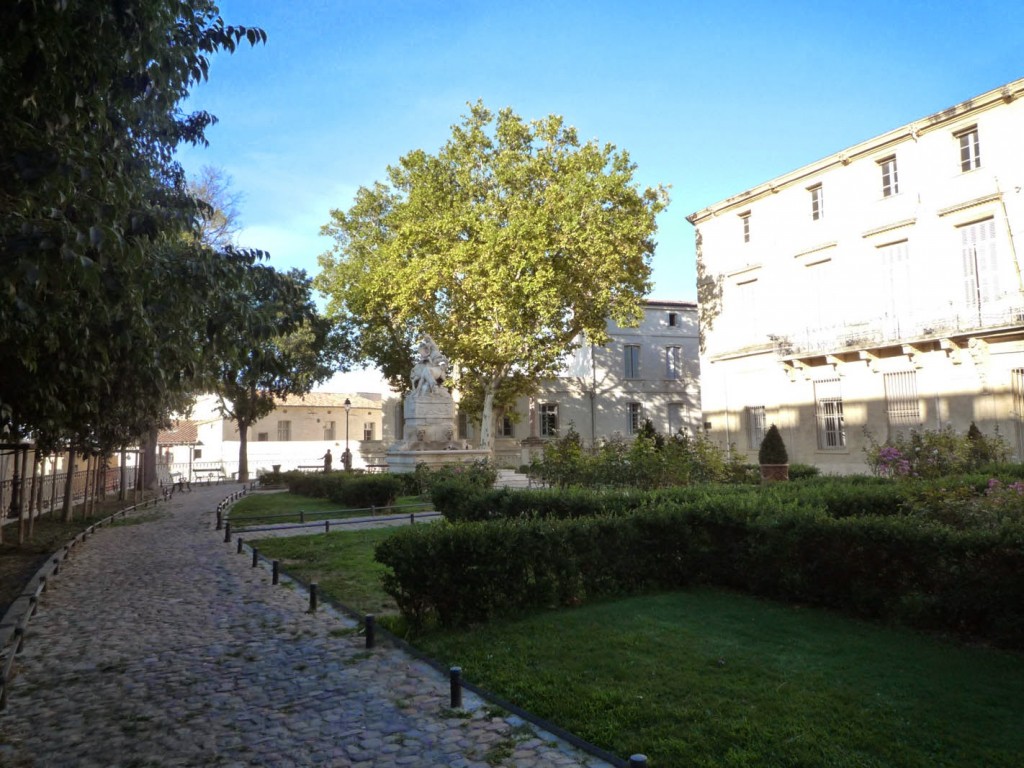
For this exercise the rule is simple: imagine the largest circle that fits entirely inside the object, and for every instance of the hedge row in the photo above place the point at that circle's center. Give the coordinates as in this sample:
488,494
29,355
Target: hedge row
349,489
890,568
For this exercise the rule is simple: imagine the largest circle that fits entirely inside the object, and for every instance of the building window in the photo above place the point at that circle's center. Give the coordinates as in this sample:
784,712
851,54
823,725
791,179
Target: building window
329,428
745,218
817,202
1017,386
673,362
828,407
755,426
676,418
284,431
895,287
368,430
632,361
197,453
981,265
902,406
508,427
890,181
970,151
549,420
636,417
262,437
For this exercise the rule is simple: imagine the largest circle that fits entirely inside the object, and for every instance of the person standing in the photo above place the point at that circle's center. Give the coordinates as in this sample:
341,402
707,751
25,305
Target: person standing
327,460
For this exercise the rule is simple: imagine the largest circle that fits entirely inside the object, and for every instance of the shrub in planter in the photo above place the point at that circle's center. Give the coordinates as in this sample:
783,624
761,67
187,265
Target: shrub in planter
772,456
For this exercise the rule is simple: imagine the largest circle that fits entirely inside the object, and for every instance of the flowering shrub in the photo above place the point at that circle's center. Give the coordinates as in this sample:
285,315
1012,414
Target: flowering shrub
649,461
929,453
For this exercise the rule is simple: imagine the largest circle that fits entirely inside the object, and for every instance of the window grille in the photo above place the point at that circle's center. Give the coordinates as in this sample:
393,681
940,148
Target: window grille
284,430
1017,375
368,430
755,425
902,406
549,420
828,407
980,260
636,417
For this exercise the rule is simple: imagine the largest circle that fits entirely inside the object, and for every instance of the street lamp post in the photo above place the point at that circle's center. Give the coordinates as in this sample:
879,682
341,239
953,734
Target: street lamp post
346,460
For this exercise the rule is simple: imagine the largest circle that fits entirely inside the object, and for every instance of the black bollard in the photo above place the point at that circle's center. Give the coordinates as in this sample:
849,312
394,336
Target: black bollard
455,677
412,518
227,533
371,630
312,597
239,545
327,526
255,557
276,573
220,519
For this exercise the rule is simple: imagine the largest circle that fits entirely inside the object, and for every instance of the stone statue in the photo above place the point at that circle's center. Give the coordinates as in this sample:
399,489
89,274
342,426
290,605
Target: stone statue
430,369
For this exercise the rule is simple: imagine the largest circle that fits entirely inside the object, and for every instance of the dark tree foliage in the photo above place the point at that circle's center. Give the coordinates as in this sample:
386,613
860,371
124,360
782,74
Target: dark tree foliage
101,296
267,342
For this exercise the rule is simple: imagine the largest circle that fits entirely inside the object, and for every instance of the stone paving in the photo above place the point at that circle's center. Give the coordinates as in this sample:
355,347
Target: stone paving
157,645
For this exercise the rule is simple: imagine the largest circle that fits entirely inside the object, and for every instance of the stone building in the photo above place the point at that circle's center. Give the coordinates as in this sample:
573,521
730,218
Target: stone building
877,289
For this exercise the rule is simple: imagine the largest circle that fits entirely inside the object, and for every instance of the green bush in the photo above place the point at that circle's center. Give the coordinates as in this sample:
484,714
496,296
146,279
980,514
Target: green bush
459,503
892,567
363,491
772,449
649,461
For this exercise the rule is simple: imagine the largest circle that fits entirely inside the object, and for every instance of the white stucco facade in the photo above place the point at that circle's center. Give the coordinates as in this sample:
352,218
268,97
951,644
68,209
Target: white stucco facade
878,288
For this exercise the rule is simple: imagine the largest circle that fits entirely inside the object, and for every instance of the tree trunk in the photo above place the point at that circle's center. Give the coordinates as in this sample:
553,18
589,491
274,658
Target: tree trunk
487,420
149,479
69,489
243,451
122,494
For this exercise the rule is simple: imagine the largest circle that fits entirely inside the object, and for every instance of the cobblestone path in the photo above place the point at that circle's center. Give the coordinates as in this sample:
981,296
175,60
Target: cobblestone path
157,645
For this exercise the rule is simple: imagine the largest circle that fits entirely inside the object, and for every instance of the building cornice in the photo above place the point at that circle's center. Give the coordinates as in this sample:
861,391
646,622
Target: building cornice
910,132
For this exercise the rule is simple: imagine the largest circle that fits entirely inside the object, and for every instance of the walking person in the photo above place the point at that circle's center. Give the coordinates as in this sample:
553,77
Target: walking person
327,460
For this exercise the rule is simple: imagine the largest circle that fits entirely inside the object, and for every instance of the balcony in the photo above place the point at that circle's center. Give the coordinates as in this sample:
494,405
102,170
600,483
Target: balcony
886,336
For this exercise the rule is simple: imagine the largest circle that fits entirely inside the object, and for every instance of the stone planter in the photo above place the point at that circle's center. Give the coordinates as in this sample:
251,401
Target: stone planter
771,473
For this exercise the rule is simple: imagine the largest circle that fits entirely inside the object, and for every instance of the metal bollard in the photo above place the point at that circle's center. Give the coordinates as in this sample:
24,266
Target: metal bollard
239,545
255,557
220,519
638,761
327,526
302,516
371,630
227,533
275,572
312,597
455,677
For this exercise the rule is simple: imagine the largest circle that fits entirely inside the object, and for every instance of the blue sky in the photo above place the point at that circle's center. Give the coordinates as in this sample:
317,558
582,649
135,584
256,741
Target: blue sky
708,98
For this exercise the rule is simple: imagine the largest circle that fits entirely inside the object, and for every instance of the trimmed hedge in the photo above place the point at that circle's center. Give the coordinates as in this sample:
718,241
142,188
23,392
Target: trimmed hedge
890,568
347,488
460,503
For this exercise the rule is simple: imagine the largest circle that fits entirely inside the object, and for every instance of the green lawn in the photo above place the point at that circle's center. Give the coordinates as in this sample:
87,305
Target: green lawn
711,678
341,563
270,508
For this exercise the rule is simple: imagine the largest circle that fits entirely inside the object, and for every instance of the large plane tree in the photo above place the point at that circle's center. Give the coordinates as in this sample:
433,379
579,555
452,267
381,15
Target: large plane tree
505,246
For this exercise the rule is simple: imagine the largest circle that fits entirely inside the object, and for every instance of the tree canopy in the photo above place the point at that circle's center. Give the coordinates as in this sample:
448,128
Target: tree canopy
101,297
504,246
280,346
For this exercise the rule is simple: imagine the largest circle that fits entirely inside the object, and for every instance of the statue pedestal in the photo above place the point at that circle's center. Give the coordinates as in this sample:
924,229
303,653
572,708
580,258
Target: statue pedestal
430,435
